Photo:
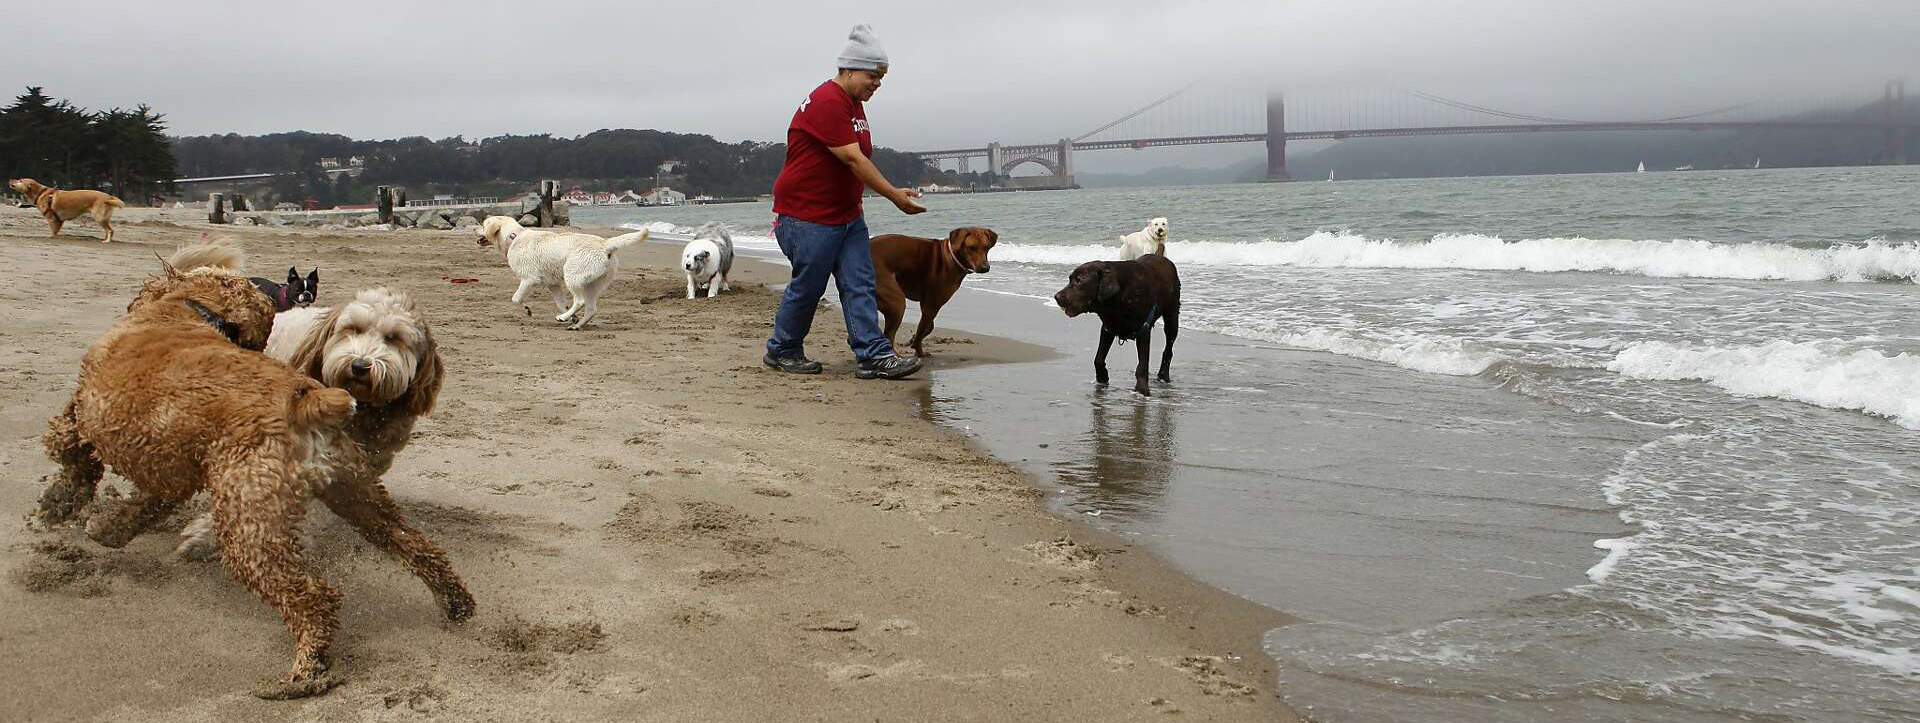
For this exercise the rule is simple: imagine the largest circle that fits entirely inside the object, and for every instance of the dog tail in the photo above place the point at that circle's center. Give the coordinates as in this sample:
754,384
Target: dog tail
216,256
624,240
320,406
115,202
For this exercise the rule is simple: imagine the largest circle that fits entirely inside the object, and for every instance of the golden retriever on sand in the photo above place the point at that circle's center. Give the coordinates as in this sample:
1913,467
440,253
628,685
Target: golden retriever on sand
177,398
583,263
62,206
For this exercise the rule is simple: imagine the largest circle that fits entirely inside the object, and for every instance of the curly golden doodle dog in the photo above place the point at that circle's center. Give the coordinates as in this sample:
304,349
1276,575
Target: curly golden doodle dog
1128,296
175,399
925,270
380,349
62,206
583,263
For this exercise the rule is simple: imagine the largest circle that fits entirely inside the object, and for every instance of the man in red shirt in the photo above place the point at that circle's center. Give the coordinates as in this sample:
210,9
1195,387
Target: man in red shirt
818,220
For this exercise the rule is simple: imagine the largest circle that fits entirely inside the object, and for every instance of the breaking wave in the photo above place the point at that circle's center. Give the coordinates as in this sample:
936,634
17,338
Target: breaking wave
1817,373
1875,260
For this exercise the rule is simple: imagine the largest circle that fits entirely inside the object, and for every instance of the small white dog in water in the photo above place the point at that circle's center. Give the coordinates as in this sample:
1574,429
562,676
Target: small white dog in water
583,264
1149,240
708,258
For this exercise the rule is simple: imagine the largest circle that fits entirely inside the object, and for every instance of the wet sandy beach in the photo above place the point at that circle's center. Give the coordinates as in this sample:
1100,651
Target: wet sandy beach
655,527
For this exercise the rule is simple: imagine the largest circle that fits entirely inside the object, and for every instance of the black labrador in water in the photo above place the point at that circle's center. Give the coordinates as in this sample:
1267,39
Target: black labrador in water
1128,296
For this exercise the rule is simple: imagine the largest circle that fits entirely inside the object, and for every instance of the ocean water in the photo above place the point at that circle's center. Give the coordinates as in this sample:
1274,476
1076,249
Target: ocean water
1576,448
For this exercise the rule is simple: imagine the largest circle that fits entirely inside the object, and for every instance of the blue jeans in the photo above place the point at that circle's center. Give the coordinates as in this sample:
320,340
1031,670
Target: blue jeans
817,251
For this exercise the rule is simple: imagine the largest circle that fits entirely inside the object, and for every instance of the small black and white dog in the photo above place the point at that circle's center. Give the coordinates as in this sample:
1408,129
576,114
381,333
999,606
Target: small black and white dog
296,292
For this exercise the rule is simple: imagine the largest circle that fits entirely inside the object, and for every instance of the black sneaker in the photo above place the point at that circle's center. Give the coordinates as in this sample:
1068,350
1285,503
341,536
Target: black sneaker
892,366
796,364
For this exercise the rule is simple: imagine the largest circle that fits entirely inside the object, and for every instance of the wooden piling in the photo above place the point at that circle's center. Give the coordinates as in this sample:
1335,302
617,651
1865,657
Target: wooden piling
216,208
548,191
383,199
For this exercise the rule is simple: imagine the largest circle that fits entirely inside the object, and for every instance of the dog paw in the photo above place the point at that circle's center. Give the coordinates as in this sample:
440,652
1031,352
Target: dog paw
1143,390
528,309
37,522
296,688
458,605
101,531
197,547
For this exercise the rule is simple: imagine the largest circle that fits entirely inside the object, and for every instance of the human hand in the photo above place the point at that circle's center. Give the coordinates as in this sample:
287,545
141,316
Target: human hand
907,205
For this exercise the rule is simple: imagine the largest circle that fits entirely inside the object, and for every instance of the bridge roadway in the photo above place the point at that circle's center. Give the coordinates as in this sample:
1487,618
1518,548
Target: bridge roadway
1025,150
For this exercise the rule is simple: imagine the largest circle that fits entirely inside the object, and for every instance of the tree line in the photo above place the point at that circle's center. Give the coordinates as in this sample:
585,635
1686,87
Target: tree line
126,152
129,153
614,159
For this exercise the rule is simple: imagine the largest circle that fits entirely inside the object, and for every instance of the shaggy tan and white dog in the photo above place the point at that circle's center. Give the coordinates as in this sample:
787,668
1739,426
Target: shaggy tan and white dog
176,398
582,263
380,349
1149,240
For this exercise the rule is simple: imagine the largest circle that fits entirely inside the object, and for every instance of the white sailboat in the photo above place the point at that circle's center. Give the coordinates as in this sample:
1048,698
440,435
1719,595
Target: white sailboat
1756,161
1642,168
1329,174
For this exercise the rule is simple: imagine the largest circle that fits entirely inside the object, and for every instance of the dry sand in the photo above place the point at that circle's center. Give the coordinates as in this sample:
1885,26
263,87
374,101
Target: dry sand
655,527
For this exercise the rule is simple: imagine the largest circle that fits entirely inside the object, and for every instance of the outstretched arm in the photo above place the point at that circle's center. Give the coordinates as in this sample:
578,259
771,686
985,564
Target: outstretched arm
870,175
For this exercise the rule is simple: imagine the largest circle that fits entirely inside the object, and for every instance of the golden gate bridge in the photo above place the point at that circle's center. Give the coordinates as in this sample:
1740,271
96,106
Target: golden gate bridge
1167,121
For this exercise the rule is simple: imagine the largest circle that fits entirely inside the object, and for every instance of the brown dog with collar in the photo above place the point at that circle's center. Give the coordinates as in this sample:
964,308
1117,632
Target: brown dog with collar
925,270
62,206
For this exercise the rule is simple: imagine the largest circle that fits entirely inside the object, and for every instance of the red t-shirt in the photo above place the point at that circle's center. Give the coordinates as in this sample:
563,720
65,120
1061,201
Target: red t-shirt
814,185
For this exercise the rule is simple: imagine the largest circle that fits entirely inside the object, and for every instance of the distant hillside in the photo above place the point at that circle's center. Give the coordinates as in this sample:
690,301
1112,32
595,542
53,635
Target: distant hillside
614,159
1177,176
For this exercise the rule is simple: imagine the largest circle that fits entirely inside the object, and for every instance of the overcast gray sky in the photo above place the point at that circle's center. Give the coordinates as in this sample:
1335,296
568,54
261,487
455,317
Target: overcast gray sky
964,72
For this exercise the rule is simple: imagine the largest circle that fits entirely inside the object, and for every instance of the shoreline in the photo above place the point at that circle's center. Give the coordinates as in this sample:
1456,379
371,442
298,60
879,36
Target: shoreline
636,541
1218,618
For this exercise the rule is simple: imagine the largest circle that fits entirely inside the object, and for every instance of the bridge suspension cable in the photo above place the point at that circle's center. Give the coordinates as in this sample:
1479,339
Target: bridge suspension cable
1462,105
1130,116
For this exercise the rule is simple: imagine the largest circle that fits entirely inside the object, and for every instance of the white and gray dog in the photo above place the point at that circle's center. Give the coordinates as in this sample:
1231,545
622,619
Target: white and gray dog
708,258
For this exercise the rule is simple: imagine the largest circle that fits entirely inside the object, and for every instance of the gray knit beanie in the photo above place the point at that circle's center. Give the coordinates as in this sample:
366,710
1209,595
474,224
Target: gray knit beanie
863,50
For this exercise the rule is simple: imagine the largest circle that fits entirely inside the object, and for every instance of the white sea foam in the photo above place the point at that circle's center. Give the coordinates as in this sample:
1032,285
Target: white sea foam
1437,355
660,228
1616,550
673,232
1817,373
1871,261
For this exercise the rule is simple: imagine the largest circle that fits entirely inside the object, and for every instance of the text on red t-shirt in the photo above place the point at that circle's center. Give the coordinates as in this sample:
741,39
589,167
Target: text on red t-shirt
813,184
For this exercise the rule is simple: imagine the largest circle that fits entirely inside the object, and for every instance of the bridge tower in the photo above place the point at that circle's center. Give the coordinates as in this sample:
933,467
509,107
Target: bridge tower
996,163
1896,153
1277,138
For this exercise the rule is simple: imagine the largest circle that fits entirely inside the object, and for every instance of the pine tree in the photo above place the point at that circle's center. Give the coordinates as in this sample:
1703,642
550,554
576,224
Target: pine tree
126,152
